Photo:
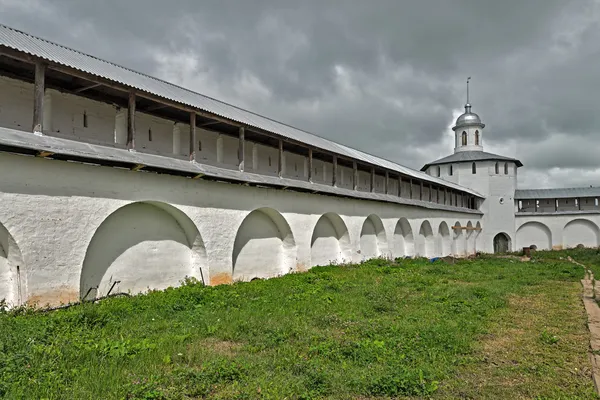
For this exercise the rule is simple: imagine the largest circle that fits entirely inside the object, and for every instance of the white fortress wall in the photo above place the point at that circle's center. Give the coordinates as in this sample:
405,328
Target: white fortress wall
558,230
69,227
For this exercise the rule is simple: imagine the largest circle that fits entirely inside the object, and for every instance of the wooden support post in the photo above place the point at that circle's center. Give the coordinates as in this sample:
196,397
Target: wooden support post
387,182
334,172
430,192
445,195
579,203
131,122
399,185
372,185
192,136
421,191
38,97
535,206
280,159
242,149
310,165
354,175
410,191
555,205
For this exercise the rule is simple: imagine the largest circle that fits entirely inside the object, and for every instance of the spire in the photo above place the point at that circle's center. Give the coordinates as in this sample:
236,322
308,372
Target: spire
468,105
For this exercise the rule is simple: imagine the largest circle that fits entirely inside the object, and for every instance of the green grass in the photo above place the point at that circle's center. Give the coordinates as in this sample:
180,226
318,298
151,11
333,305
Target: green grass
487,328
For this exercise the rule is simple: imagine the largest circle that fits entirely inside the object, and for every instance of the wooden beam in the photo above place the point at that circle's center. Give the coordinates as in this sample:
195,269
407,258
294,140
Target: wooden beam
38,97
410,192
192,150
466,228
242,149
421,190
386,184
399,185
280,159
44,153
430,192
156,107
131,121
334,172
372,185
354,175
84,88
198,176
310,165
138,167
210,123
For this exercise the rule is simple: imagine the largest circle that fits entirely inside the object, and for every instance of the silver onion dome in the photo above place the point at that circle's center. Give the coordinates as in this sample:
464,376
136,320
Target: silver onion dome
468,118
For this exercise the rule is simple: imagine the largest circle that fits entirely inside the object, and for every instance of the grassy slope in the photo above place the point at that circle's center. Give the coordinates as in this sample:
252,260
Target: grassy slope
488,328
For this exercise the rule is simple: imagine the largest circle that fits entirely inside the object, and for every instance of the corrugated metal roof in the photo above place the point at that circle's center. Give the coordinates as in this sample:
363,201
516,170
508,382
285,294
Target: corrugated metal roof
469,156
525,194
62,55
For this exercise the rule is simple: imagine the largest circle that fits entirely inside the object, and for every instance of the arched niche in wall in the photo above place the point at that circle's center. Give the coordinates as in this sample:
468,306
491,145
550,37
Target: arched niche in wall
12,270
426,242
372,238
580,231
330,242
141,246
458,240
444,240
470,238
264,246
478,236
502,243
404,242
534,233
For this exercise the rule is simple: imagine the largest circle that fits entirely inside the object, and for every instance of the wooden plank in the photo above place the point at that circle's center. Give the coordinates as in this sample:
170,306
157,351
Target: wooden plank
38,97
334,172
387,182
354,175
198,176
83,89
131,122
421,190
192,149
372,184
138,167
44,153
242,149
280,159
466,228
310,165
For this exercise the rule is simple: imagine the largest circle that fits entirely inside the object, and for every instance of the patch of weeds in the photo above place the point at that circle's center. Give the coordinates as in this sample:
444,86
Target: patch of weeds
548,338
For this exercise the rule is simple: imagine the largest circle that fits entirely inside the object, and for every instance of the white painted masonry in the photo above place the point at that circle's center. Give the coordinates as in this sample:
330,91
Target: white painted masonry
116,194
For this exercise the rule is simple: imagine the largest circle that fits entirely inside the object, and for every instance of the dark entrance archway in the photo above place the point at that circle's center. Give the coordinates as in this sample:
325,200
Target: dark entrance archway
501,243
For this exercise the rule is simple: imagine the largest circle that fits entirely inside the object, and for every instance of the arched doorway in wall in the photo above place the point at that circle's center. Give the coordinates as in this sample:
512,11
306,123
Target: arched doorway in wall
404,242
534,233
12,270
372,238
458,240
444,240
330,242
580,231
426,243
264,246
502,243
141,246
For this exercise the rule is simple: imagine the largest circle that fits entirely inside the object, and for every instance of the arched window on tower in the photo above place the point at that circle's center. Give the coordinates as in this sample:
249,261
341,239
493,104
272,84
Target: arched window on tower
474,168
476,138
505,168
464,138
497,168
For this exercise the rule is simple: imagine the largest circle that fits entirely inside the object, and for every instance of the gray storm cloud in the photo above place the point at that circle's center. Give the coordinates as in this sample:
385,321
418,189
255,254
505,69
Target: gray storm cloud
385,76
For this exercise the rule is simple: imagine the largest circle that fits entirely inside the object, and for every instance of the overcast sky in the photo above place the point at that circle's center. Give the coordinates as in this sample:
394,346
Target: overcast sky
384,76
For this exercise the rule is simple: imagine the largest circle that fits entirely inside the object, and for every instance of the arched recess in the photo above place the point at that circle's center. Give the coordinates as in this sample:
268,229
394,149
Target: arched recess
404,242
12,270
426,242
502,243
470,238
264,246
534,233
372,238
330,243
580,231
458,240
444,240
477,237
141,246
